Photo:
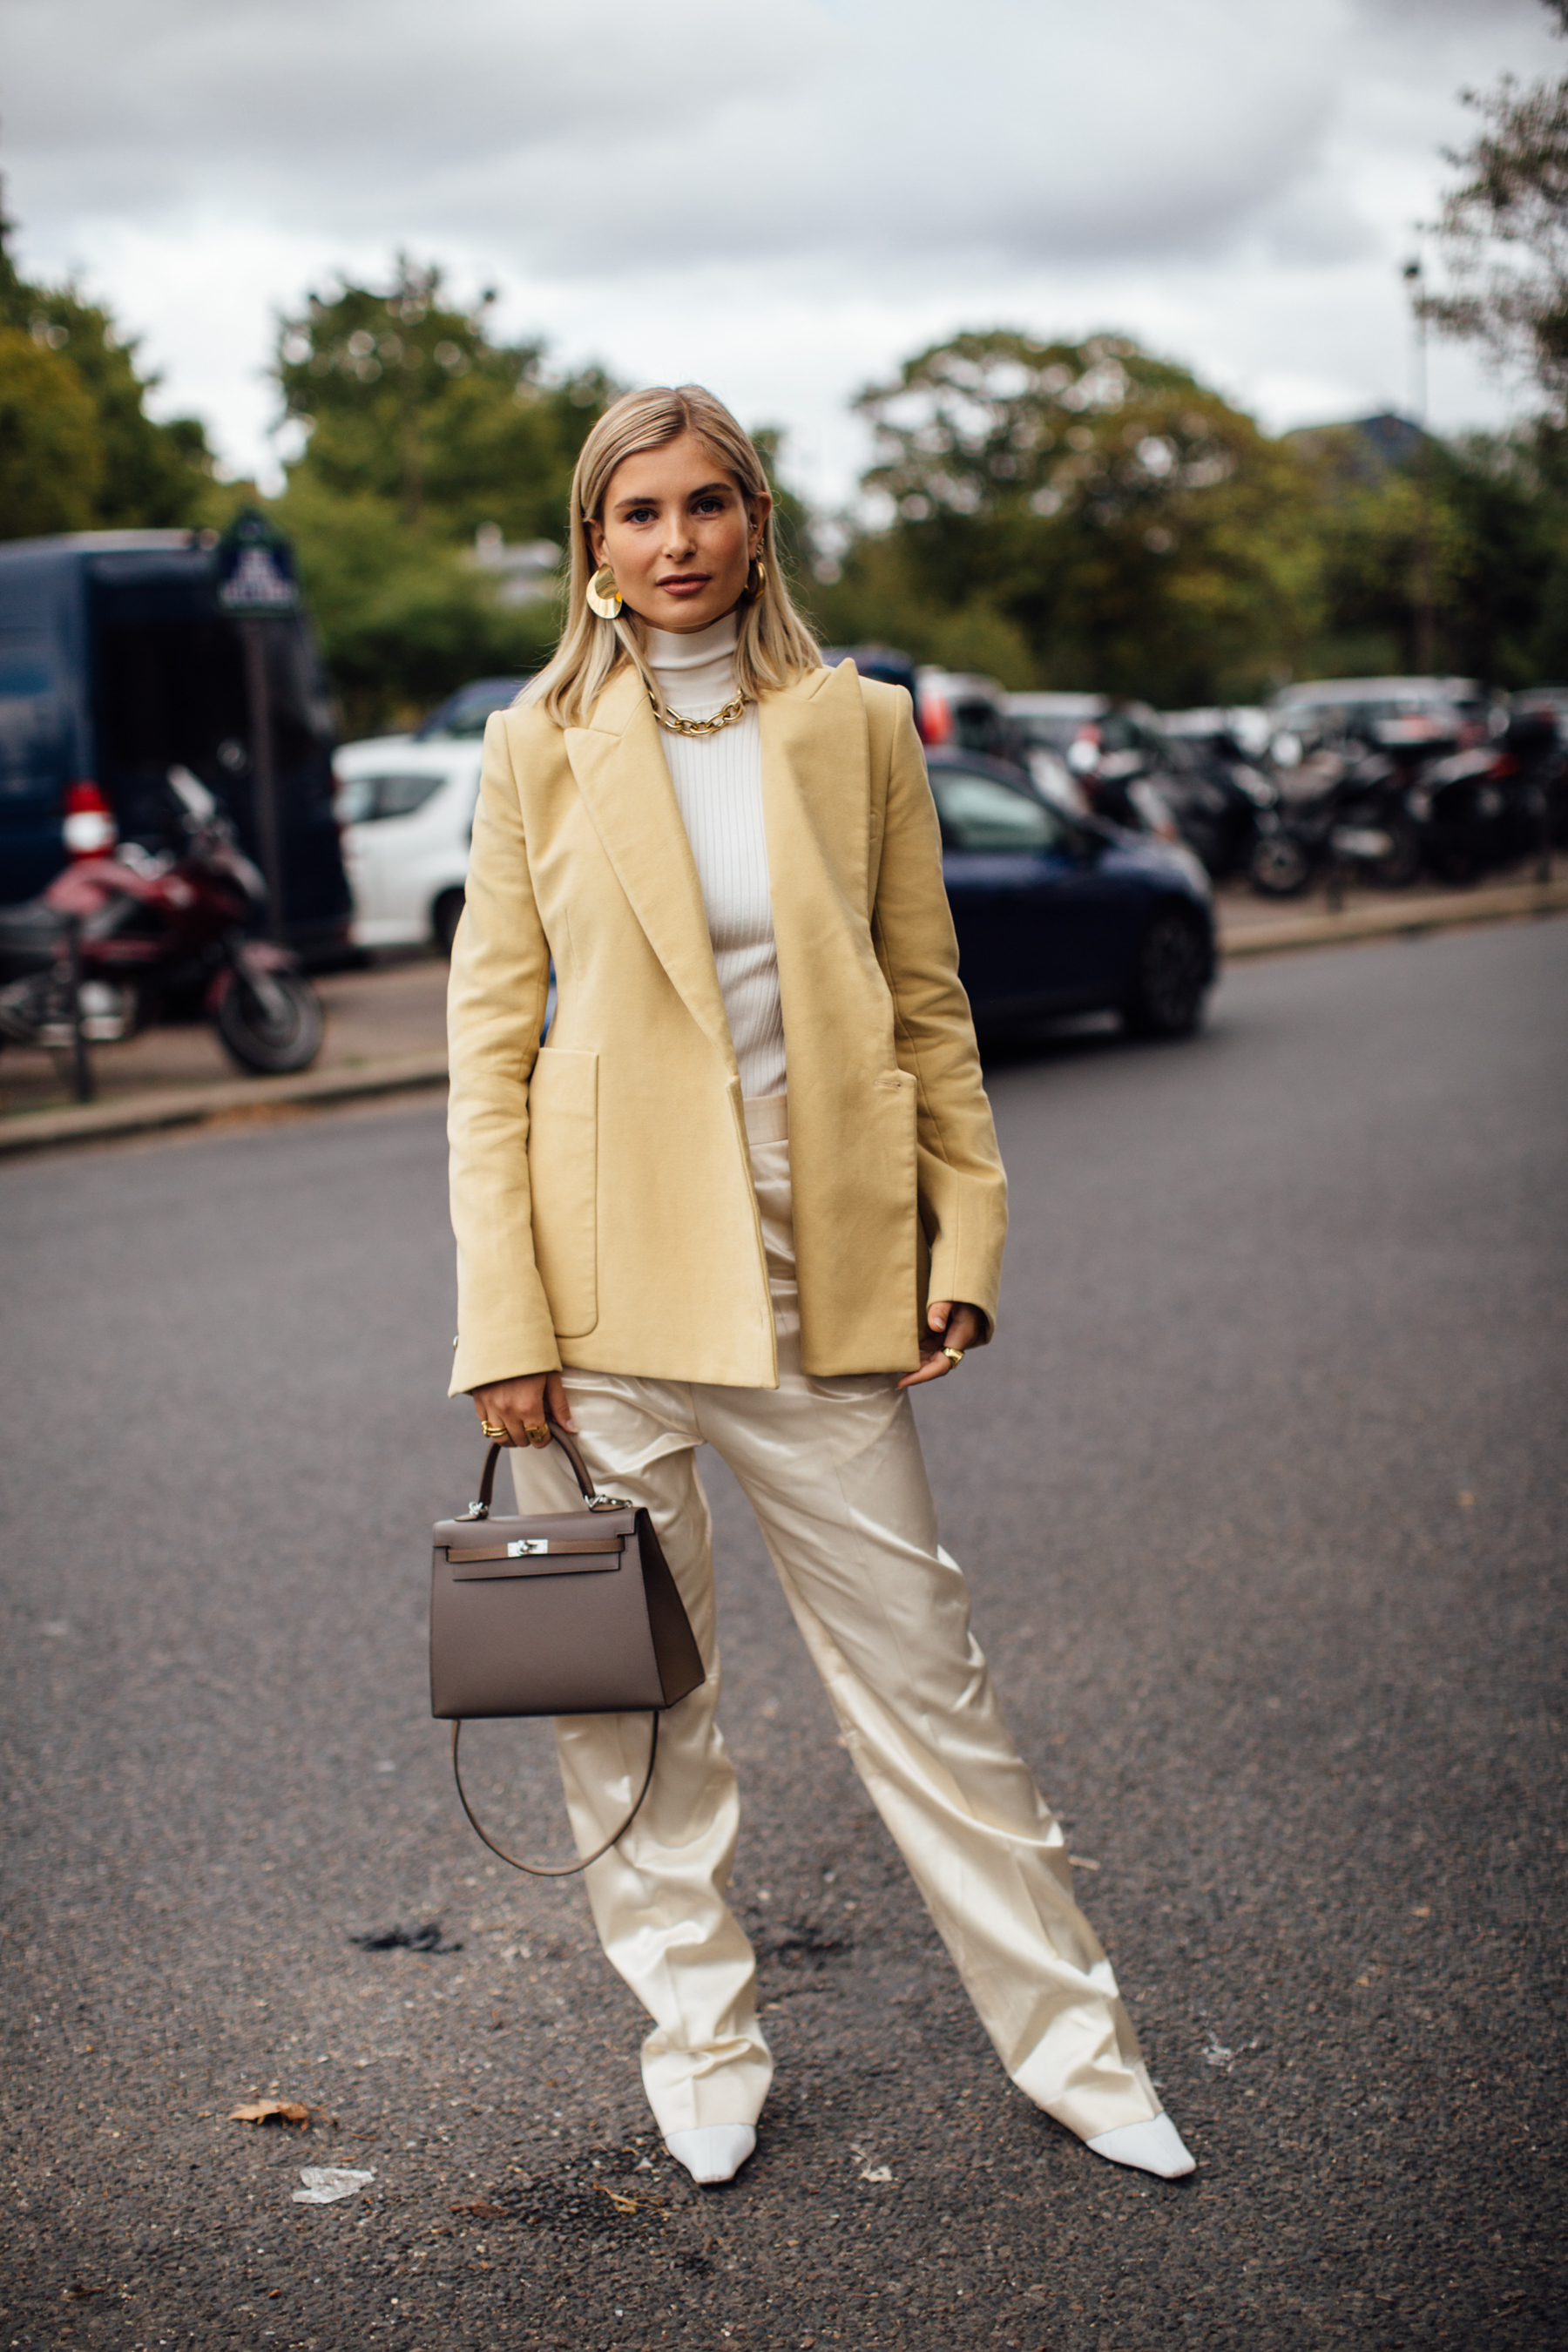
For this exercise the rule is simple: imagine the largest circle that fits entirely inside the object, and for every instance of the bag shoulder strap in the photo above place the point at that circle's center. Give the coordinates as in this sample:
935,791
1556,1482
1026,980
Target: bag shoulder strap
563,1869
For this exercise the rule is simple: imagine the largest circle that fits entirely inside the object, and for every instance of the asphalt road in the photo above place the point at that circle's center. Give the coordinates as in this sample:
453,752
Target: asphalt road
1261,1493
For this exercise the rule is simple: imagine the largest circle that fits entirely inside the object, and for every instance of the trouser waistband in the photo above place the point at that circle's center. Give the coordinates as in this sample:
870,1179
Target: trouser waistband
767,1119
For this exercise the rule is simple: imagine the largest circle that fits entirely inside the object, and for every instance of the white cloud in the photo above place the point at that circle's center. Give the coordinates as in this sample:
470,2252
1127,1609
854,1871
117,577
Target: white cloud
781,199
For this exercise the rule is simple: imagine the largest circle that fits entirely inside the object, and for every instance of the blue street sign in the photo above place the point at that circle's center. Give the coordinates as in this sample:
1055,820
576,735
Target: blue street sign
255,570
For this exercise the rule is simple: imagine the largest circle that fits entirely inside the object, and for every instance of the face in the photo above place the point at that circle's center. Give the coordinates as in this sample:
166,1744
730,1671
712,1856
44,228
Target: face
678,535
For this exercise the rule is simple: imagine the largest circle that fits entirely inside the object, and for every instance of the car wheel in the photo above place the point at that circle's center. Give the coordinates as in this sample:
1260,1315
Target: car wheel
444,916
1174,967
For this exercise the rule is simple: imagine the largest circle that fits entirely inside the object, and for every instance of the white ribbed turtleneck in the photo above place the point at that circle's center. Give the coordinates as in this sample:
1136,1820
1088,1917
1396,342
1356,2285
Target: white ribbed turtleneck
718,782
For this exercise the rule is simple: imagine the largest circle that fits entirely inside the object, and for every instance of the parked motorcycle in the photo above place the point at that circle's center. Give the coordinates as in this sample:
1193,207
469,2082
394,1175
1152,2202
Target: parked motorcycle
1206,794
141,922
1492,806
1344,811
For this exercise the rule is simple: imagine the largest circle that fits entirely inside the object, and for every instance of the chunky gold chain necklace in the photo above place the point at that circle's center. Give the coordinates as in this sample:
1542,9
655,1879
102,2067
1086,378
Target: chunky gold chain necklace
680,725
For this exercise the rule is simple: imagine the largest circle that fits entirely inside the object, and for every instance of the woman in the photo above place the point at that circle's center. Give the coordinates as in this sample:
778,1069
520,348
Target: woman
731,854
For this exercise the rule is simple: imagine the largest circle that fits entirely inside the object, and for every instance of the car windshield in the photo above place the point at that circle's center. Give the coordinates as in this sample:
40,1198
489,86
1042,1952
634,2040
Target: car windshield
981,812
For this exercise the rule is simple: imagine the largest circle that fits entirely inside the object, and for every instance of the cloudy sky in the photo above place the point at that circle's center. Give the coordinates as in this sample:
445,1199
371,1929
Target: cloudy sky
780,198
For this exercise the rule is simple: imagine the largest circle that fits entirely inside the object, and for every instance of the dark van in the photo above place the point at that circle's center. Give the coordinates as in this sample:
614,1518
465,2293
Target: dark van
116,665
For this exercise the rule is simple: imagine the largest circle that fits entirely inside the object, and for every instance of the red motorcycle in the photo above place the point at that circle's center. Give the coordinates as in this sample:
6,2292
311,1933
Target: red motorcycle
129,925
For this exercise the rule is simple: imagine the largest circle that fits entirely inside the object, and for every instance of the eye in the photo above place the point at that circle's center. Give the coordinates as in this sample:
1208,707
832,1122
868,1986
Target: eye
714,503
641,514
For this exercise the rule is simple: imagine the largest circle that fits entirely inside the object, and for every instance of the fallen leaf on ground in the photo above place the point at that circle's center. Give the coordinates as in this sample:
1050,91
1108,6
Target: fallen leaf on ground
272,2111
622,2204
481,2211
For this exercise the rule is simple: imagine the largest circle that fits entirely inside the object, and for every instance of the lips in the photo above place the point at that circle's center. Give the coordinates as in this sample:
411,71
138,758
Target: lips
674,582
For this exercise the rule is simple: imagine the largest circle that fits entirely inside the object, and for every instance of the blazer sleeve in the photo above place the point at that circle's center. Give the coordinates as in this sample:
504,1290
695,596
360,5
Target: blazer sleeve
495,1011
962,1183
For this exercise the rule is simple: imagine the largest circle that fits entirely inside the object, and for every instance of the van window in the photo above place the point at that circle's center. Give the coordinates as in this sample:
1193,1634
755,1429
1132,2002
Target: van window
31,716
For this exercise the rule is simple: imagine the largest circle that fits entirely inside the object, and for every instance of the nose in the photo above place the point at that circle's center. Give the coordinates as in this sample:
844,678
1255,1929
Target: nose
677,539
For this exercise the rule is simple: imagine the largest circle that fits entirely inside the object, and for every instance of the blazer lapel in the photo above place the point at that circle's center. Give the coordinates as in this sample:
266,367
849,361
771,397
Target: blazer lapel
816,805
624,778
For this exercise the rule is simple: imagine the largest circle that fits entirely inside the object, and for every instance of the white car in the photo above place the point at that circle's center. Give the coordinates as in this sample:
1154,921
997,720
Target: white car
407,813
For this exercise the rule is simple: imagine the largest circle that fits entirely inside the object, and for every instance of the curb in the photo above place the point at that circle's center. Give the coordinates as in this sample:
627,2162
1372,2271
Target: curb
1405,920
97,1122
53,1130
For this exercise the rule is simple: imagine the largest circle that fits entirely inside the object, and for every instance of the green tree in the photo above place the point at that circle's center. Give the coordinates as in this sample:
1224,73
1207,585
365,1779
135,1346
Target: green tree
1503,230
1498,538
1083,515
107,465
51,452
420,427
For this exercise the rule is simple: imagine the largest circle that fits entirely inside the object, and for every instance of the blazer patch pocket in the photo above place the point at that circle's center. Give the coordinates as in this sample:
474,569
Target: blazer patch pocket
563,1183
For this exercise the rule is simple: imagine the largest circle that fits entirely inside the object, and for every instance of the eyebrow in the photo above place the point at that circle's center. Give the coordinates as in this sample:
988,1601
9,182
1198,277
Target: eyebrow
705,491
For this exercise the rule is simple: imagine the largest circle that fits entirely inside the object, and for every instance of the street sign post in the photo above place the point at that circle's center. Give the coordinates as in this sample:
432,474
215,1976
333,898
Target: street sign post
257,585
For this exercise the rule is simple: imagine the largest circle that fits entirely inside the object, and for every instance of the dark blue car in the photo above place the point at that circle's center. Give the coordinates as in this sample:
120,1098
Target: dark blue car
1058,914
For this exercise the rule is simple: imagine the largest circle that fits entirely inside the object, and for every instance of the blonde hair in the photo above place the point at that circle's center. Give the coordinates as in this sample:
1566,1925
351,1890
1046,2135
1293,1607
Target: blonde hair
774,644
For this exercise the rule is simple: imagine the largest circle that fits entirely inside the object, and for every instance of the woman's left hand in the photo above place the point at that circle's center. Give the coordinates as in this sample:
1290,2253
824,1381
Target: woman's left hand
950,1323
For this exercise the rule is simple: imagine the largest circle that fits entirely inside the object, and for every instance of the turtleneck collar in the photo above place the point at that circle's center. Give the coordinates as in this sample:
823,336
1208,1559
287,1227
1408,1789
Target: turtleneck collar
667,650
695,670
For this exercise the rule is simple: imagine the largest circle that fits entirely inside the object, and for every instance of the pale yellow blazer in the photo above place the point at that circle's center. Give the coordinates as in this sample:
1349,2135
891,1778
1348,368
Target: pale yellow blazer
602,1193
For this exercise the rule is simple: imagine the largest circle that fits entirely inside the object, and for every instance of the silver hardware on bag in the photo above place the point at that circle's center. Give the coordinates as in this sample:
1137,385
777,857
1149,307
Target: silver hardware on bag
528,1547
612,1503
476,1511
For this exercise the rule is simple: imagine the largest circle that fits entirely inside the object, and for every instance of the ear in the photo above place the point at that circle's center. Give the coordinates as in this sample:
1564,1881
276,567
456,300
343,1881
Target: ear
595,541
759,508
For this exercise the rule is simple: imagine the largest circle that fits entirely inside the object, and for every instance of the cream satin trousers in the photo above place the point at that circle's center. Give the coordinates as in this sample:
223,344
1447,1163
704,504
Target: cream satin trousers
833,1472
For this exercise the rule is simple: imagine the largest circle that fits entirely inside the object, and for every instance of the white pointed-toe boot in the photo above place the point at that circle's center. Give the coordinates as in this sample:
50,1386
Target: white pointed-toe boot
715,2152
1155,2146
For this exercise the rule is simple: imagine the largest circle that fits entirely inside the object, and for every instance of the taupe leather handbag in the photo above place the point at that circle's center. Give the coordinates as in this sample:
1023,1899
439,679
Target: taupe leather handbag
562,1613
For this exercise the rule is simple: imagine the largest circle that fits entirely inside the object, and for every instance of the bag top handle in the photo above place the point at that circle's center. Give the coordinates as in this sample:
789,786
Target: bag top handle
481,1507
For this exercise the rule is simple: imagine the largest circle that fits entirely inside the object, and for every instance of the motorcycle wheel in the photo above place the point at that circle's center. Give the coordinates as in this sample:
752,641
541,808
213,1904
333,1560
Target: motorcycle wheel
1173,972
1402,863
270,1042
1278,867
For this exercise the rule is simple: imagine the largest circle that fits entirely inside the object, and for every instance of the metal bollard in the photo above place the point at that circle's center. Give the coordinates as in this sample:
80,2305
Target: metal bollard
81,1065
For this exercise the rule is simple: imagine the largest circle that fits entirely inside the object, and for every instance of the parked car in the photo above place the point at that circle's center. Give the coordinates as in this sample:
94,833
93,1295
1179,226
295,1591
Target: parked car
1410,715
407,813
1056,915
461,718
116,665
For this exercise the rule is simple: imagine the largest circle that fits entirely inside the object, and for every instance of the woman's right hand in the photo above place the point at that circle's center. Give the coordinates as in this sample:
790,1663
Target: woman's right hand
520,1407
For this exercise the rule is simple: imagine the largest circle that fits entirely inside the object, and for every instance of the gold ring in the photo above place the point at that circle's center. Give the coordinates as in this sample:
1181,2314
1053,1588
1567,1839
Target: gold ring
536,1429
492,1430
953,1355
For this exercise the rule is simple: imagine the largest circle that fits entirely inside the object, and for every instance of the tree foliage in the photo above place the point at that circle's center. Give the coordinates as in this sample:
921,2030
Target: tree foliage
420,426
78,449
1084,511
1503,231
1086,516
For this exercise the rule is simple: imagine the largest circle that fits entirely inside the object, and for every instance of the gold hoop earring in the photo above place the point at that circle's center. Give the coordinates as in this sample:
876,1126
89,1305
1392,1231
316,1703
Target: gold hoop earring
757,576
604,598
